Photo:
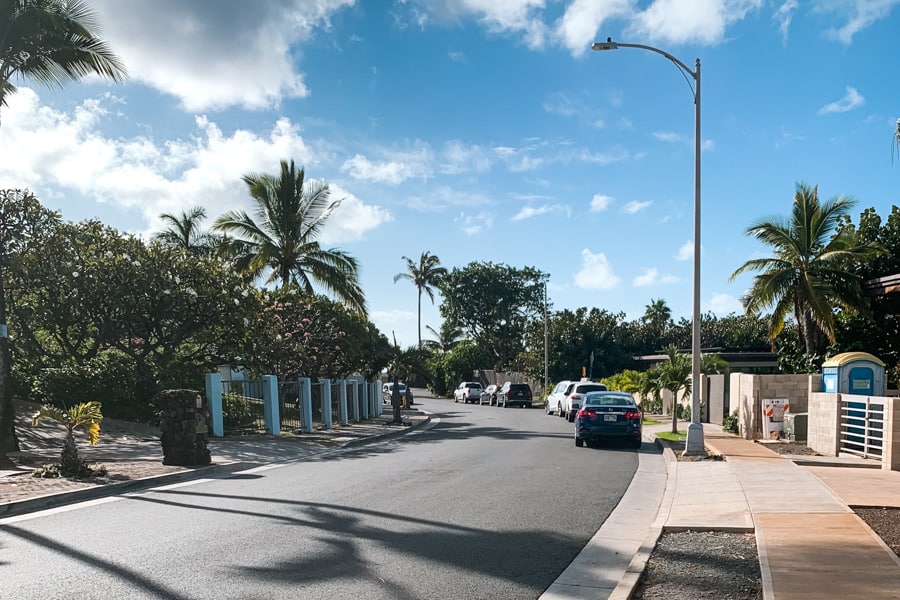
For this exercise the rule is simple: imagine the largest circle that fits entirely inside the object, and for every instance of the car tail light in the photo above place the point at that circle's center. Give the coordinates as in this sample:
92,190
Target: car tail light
586,413
633,415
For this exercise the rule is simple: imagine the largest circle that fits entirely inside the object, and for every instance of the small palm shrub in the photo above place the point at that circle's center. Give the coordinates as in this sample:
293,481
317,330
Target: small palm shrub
730,423
86,416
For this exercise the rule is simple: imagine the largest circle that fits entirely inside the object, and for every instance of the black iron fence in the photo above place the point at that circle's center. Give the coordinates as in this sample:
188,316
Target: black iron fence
242,407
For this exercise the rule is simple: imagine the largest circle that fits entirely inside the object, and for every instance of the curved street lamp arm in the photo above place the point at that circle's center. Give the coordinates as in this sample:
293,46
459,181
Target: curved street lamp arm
685,70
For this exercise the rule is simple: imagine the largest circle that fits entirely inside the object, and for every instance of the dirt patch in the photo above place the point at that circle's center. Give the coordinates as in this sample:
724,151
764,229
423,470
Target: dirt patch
885,522
789,448
702,564
678,449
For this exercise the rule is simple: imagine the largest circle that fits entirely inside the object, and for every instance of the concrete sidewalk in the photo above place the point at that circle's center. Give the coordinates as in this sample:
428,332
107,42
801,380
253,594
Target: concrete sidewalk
811,545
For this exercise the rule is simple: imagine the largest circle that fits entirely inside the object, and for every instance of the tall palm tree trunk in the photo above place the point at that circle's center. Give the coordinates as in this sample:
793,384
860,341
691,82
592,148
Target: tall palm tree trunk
420,318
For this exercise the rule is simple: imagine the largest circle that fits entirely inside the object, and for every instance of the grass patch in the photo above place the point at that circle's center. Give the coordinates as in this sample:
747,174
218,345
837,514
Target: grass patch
672,437
652,422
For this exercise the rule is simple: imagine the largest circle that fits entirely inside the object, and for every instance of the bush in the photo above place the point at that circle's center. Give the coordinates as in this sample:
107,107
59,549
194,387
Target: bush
110,378
240,412
731,424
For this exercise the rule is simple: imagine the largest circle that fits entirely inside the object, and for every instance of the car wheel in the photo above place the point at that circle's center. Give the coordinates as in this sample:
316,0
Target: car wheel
636,443
579,442
559,410
455,399
571,417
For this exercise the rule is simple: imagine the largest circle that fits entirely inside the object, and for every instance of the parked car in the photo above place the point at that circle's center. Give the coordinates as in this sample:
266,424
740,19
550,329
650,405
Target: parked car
489,395
512,394
608,415
387,391
556,396
468,391
574,394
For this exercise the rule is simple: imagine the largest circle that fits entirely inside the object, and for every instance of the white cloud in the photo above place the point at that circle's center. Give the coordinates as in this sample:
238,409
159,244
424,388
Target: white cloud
528,212
504,16
723,304
783,17
202,52
459,158
686,251
475,224
651,276
577,29
596,273
457,56
852,99
395,169
599,202
635,206
668,136
63,159
859,14
563,105
700,21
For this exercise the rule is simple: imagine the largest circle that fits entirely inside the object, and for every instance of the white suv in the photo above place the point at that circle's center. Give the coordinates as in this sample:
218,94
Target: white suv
468,391
556,396
573,395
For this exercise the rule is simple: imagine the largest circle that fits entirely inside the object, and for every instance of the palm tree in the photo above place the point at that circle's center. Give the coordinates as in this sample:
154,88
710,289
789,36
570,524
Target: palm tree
51,42
806,277
184,232
446,339
290,214
675,375
424,276
657,318
87,416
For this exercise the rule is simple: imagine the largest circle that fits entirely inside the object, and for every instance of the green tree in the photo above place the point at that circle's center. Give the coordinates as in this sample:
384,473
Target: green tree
289,217
806,277
492,304
674,375
425,276
23,224
183,231
51,42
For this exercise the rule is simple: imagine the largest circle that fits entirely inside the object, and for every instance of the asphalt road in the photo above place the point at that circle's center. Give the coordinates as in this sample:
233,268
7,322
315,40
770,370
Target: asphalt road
486,503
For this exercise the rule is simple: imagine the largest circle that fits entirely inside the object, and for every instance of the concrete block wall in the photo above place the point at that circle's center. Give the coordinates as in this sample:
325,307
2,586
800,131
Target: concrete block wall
824,423
715,399
891,455
747,392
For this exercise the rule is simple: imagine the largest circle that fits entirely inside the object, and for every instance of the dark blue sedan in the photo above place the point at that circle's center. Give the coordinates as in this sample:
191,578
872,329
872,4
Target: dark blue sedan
608,415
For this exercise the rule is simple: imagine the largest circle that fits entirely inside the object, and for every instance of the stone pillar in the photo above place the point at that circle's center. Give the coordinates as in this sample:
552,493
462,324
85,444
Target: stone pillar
890,459
365,399
184,426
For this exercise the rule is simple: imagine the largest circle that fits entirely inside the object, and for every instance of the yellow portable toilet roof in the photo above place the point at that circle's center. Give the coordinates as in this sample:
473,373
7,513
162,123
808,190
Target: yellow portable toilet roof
839,360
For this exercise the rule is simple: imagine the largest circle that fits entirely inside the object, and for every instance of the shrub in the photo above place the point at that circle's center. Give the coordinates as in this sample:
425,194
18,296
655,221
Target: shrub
240,412
730,423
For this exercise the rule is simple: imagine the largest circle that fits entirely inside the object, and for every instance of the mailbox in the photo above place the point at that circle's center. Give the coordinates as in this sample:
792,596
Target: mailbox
857,373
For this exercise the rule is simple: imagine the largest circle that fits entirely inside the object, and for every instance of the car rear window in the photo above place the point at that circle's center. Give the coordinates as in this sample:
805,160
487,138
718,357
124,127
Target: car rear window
522,387
590,387
611,400
473,384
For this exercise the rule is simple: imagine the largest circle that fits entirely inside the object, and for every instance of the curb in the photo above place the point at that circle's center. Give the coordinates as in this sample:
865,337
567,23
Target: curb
19,507
629,581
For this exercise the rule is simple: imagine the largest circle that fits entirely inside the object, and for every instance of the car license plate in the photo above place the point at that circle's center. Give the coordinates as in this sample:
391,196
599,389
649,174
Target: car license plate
610,417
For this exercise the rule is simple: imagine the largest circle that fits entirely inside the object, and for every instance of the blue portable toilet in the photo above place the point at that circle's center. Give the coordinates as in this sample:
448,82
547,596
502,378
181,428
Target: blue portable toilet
857,373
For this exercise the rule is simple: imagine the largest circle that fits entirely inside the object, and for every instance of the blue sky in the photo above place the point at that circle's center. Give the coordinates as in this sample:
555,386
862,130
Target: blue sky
482,130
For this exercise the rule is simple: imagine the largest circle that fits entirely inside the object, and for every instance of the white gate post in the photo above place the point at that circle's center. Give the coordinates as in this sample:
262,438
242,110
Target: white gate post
355,398
270,405
342,395
326,403
365,400
306,420
214,401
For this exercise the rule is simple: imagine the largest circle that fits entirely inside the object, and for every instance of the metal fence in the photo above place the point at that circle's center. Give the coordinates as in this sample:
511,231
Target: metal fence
862,426
242,407
290,409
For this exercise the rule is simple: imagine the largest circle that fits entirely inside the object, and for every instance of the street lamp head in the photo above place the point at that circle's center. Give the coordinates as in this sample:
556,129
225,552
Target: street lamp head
607,45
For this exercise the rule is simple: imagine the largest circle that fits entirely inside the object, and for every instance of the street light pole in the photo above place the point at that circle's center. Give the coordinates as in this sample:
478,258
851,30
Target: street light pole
694,443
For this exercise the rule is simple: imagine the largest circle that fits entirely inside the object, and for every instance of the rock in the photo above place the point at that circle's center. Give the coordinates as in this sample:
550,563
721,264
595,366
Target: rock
184,427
